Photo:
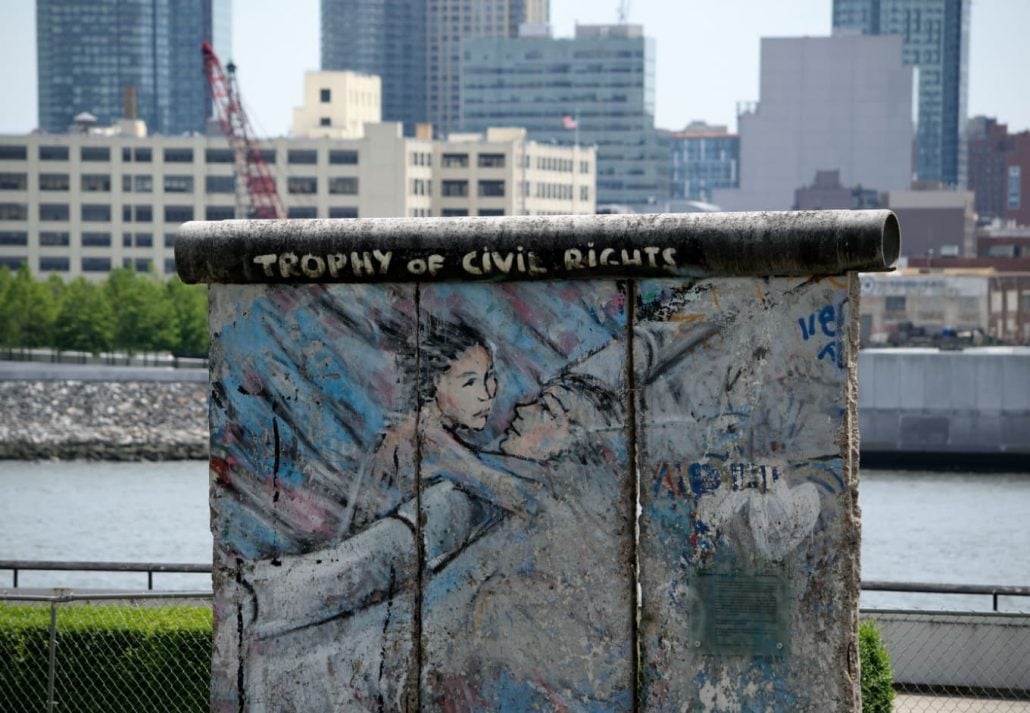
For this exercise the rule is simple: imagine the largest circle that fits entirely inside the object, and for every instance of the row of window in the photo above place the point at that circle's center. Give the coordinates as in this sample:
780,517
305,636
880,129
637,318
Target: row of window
19,152
88,239
57,263
461,160
460,188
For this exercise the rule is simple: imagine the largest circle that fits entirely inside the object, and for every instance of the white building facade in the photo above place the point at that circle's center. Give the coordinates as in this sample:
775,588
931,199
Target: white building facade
81,204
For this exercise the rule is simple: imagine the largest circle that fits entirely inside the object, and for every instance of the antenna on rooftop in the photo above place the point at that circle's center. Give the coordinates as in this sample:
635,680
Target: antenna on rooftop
623,11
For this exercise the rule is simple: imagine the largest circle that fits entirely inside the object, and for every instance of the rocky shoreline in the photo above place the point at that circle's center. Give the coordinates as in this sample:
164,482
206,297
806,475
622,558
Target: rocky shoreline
103,420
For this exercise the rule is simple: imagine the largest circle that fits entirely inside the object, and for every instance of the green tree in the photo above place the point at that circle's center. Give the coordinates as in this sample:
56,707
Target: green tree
875,677
85,321
33,310
6,312
145,319
190,304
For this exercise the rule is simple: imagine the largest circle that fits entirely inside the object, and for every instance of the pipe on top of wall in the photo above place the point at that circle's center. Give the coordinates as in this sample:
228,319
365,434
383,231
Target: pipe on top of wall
789,243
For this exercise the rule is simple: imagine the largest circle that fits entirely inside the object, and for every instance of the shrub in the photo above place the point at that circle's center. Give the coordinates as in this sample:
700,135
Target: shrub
877,681
108,657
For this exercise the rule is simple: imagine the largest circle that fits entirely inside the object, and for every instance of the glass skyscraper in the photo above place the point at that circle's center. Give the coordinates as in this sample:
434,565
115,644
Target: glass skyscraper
936,41
594,89
90,52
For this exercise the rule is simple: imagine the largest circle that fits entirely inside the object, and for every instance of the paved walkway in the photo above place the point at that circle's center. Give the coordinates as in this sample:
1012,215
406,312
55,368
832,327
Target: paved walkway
908,703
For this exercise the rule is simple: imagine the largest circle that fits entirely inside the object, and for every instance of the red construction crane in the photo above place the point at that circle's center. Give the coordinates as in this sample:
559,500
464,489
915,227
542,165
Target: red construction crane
256,196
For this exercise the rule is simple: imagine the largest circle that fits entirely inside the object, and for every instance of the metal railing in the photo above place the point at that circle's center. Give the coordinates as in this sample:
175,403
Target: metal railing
17,566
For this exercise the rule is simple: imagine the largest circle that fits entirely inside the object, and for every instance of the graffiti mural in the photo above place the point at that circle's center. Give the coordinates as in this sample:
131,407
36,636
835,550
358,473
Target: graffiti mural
747,501
427,497
422,498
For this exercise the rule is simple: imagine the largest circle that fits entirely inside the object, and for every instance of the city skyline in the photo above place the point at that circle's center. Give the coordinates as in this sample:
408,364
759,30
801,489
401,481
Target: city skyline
271,76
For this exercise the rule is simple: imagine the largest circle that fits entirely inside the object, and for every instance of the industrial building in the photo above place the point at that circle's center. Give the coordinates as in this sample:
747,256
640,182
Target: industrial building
841,103
81,204
702,159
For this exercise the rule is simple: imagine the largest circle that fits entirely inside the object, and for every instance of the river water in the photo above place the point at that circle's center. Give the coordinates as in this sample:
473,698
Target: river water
942,527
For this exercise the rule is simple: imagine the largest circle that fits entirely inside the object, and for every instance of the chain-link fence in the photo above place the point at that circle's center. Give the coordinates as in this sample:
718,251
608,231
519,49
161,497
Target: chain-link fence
151,651
105,653
957,662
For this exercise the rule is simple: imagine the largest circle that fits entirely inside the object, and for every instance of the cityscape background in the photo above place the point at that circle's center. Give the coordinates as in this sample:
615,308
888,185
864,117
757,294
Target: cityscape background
707,54
447,108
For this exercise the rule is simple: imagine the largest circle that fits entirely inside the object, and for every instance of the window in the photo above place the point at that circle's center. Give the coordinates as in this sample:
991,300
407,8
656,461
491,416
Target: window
126,154
141,264
144,155
218,156
220,184
454,212
453,189
895,304
268,155
455,160
144,240
126,240
491,211
340,156
96,264
53,264
95,153
54,238
420,186
169,265
53,153
169,240
96,183
14,237
1014,187
143,184
53,211
96,213
301,211
325,95
325,121
491,189
14,181
14,211
304,156
178,155
343,212
143,213
584,193
421,159
178,184
344,185
53,182
178,213
491,160
219,212
12,263
302,184
13,153
96,240
584,167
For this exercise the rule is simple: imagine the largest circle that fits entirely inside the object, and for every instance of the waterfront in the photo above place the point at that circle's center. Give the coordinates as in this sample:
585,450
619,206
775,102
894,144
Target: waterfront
943,527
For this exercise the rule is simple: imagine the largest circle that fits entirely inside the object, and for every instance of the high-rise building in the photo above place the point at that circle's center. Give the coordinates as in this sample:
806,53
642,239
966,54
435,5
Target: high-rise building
386,38
841,103
337,105
936,40
702,158
594,89
451,22
416,47
115,57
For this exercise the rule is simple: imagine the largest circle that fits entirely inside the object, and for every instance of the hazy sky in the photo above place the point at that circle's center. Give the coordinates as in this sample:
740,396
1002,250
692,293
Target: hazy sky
708,54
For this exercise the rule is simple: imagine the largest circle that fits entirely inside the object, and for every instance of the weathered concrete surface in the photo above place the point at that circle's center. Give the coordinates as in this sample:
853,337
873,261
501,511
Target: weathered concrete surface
103,420
424,492
749,526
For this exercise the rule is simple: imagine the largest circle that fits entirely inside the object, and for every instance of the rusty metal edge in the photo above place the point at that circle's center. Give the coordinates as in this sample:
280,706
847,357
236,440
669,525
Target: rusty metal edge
787,243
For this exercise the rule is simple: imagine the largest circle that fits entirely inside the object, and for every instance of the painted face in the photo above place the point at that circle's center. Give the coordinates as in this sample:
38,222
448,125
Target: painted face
540,430
465,391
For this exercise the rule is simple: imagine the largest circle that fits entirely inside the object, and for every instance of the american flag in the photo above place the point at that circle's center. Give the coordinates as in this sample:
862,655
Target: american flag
568,121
